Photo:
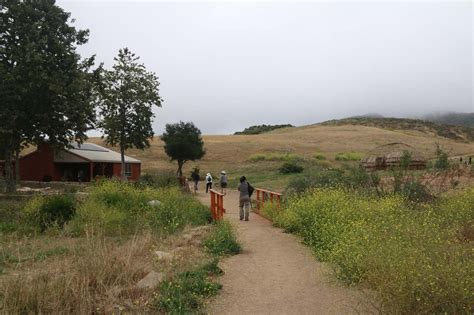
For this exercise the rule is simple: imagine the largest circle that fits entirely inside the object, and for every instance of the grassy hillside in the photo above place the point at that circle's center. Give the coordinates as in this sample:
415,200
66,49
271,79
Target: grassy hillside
316,144
255,130
428,127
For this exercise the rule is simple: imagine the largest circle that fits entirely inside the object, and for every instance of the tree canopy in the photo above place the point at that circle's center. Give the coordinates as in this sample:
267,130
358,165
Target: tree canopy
183,143
127,94
45,89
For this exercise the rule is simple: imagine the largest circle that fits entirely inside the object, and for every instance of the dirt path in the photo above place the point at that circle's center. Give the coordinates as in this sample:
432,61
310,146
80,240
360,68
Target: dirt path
275,273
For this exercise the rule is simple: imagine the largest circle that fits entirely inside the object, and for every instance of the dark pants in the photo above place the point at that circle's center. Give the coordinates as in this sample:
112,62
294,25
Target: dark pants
208,186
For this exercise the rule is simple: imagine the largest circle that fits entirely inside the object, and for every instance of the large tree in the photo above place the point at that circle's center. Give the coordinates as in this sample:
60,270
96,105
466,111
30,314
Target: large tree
128,94
45,88
183,143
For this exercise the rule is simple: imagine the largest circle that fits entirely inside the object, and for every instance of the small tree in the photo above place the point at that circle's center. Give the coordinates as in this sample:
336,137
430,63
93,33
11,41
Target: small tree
126,98
183,143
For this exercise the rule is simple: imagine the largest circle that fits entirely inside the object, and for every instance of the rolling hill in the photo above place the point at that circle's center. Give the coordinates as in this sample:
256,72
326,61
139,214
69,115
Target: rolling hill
233,152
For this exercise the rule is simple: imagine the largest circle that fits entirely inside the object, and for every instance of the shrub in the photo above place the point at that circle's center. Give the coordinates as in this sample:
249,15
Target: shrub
349,156
222,241
185,293
116,208
414,258
44,212
442,162
290,167
319,157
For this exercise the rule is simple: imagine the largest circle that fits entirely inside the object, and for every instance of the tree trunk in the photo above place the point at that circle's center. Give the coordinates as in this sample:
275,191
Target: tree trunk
17,167
122,158
180,168
9,180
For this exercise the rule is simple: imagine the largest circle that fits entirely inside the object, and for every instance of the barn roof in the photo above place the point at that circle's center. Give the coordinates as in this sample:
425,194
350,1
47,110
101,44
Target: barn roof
90,152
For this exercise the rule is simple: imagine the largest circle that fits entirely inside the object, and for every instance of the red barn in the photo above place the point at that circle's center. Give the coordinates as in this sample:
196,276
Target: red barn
80,163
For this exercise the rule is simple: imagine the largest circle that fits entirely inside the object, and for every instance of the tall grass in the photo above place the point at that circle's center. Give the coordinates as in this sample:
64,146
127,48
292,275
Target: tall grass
418,258
83,282
118,208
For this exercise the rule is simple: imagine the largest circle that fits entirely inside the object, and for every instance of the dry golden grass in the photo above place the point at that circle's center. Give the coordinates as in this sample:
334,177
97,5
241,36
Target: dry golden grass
231,153
95,274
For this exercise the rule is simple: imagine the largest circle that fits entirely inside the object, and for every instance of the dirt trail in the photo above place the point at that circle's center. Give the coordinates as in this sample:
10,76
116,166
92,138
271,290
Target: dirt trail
275,273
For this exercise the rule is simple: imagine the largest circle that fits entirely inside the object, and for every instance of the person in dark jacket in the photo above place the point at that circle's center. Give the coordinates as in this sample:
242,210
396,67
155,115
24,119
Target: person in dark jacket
244,199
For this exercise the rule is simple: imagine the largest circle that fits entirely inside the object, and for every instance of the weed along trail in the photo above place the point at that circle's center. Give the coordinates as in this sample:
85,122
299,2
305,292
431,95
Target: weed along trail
275,273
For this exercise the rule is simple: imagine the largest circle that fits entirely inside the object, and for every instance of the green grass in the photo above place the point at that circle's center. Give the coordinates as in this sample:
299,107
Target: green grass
319,156
222,240
349,156
119,208
417,258
285,157
185,293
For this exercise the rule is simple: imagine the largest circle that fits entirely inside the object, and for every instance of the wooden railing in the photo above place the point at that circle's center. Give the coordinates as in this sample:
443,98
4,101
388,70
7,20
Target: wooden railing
217,205
264,195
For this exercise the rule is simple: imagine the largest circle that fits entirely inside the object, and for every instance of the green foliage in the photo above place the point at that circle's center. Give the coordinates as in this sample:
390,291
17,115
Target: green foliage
126,98
254,130
183,143
222,241
319,156
349,156
116,208
418,259
287,157
46,90
185,293
41,212
442,162
290,168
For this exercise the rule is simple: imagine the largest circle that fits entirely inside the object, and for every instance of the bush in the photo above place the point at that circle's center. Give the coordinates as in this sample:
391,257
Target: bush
319,157
42,212
416,259
116,208
290,167
185,293
442,162
222,240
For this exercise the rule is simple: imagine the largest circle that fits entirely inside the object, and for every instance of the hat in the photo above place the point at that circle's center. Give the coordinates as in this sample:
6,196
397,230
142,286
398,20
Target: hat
223,172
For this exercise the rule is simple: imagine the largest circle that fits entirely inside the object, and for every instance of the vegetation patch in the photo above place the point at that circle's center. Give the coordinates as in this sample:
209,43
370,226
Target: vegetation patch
119,208
254,130
286,157
417,257
349,156
290,168
319,156
222,240
185,293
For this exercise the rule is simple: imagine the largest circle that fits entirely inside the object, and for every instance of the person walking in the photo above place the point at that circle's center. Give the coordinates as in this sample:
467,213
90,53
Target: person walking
195,177
244,199
223,182
208,182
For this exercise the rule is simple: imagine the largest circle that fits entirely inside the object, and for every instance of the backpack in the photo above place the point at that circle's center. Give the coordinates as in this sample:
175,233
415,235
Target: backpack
250,189
209,179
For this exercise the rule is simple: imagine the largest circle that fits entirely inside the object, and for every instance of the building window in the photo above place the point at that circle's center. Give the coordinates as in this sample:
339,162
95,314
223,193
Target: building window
128,170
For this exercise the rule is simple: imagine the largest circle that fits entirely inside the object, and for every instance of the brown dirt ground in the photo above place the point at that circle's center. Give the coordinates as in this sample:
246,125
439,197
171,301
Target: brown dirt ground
276,274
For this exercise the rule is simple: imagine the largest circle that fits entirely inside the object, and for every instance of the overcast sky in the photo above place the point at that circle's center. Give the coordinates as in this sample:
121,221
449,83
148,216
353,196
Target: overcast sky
228,65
